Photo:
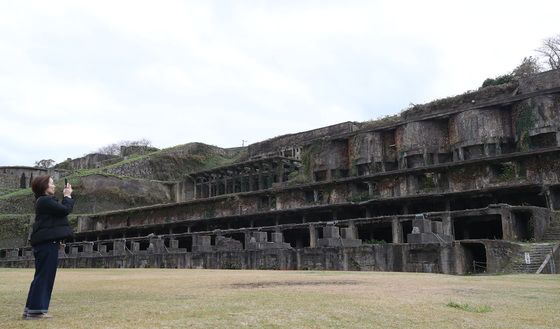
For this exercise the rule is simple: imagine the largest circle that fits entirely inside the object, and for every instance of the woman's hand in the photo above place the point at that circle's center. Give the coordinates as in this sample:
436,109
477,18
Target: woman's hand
67,190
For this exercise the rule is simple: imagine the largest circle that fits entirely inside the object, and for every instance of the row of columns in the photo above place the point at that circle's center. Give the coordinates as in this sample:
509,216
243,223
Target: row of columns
246,178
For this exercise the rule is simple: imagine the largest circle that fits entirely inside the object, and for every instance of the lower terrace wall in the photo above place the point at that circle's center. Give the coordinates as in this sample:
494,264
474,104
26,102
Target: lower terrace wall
446,258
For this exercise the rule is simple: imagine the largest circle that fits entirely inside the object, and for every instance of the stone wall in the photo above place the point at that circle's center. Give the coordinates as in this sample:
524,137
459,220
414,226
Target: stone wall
13,177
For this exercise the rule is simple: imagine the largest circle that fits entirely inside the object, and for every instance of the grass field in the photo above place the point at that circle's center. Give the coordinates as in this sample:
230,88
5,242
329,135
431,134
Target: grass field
165,298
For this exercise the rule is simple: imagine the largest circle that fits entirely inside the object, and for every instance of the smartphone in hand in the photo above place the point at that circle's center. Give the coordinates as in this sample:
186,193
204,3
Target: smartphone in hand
65,182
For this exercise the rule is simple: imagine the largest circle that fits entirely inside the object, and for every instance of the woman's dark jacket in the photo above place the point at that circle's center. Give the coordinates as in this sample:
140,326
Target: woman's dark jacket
51,220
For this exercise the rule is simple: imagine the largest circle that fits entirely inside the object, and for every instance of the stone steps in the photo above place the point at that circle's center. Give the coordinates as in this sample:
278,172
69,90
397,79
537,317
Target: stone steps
537,253
552,234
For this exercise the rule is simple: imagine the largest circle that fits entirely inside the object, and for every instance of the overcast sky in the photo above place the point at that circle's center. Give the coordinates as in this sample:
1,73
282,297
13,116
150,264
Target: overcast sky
78,75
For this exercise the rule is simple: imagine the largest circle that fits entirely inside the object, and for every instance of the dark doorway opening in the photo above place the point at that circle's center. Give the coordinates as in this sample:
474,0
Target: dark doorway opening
297,238
373,233
406,230
185,243
523,225
475,257
480,227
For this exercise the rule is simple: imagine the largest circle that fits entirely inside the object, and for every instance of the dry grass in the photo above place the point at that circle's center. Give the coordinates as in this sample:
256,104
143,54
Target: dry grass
154,298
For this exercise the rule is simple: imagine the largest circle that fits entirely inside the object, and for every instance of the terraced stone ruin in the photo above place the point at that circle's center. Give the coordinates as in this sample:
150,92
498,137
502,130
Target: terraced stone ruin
466,184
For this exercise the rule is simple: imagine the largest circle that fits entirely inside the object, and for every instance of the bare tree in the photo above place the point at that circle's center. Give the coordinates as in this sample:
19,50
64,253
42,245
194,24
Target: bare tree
45,163
529,66
115,148
550,51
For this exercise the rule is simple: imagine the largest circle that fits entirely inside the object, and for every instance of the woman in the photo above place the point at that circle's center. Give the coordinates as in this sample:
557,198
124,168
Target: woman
50,228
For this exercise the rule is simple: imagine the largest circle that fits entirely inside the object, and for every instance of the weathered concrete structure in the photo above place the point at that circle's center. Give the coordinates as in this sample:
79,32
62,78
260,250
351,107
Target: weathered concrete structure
16,177
456,186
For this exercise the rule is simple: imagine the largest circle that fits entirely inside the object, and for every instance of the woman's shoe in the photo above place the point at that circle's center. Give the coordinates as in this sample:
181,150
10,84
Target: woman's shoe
37,316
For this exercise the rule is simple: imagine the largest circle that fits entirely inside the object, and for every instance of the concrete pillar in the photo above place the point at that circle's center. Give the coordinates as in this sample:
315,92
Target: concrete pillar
354,229
277,237
157,245
447,225
119,247
508,232
425,157
486,149
280,171
312,236
261,177
247,236
260,236
331,231
549,197
370,189
88,247
396,228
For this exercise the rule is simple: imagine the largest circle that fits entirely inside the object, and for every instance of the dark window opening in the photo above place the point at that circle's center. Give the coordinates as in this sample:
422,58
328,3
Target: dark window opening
415,161
363,169
319,216
320,175
491,149
389,166
507,148
3,253
144,244
385,210
523,198
445,157
185,243
543,140
309,196
375,233
297,238
475,257
239,237
482,227
289,220
264,221
350,213
264,202
471,203
426,206
473,152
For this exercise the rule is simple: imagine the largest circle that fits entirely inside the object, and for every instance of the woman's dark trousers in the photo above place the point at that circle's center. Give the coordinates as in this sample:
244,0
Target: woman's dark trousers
46,262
